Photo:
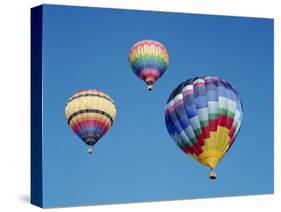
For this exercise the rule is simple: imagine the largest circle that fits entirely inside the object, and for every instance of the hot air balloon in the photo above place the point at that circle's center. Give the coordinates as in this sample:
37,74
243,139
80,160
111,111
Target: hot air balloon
90,113
203,116
149,61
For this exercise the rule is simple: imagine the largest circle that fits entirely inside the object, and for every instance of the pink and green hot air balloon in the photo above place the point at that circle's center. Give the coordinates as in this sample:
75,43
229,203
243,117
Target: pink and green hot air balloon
149,61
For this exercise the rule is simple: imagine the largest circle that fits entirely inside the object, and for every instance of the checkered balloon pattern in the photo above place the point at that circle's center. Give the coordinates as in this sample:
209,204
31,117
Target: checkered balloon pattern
203,116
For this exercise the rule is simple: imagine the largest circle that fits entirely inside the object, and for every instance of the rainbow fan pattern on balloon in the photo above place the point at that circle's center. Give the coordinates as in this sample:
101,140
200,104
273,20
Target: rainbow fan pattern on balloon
149,61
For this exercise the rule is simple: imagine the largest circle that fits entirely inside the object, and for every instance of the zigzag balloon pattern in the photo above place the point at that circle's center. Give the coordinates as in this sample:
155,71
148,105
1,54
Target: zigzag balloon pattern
149,60
203,115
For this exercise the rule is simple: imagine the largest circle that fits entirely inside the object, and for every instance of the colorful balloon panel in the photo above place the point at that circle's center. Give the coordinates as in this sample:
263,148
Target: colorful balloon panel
90,114
203,115
149,60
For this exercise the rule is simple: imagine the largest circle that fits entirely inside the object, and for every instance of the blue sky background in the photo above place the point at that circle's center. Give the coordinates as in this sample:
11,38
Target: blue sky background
136,160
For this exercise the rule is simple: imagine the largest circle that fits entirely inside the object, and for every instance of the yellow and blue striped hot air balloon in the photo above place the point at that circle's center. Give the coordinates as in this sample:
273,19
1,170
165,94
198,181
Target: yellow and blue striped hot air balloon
149,61
90,114
203,115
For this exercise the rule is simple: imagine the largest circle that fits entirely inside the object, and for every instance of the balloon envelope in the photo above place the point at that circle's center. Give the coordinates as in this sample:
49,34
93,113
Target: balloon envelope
90,114
149,60
203,115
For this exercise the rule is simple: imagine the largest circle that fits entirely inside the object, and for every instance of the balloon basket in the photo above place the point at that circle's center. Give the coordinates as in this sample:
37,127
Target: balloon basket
212,175
90,150
149,87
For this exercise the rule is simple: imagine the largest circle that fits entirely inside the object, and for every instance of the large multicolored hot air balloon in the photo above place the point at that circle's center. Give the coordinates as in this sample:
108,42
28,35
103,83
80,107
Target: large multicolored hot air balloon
149,60
90,113
203,115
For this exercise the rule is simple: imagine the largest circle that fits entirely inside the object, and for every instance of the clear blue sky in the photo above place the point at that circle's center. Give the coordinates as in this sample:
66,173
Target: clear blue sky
137,160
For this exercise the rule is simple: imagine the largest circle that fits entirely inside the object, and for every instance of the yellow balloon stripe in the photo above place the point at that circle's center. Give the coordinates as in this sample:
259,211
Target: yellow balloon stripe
90,102
214,147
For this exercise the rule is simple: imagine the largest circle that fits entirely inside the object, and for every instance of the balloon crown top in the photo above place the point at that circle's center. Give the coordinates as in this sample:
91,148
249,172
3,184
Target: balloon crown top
149,42
195,80
89,92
